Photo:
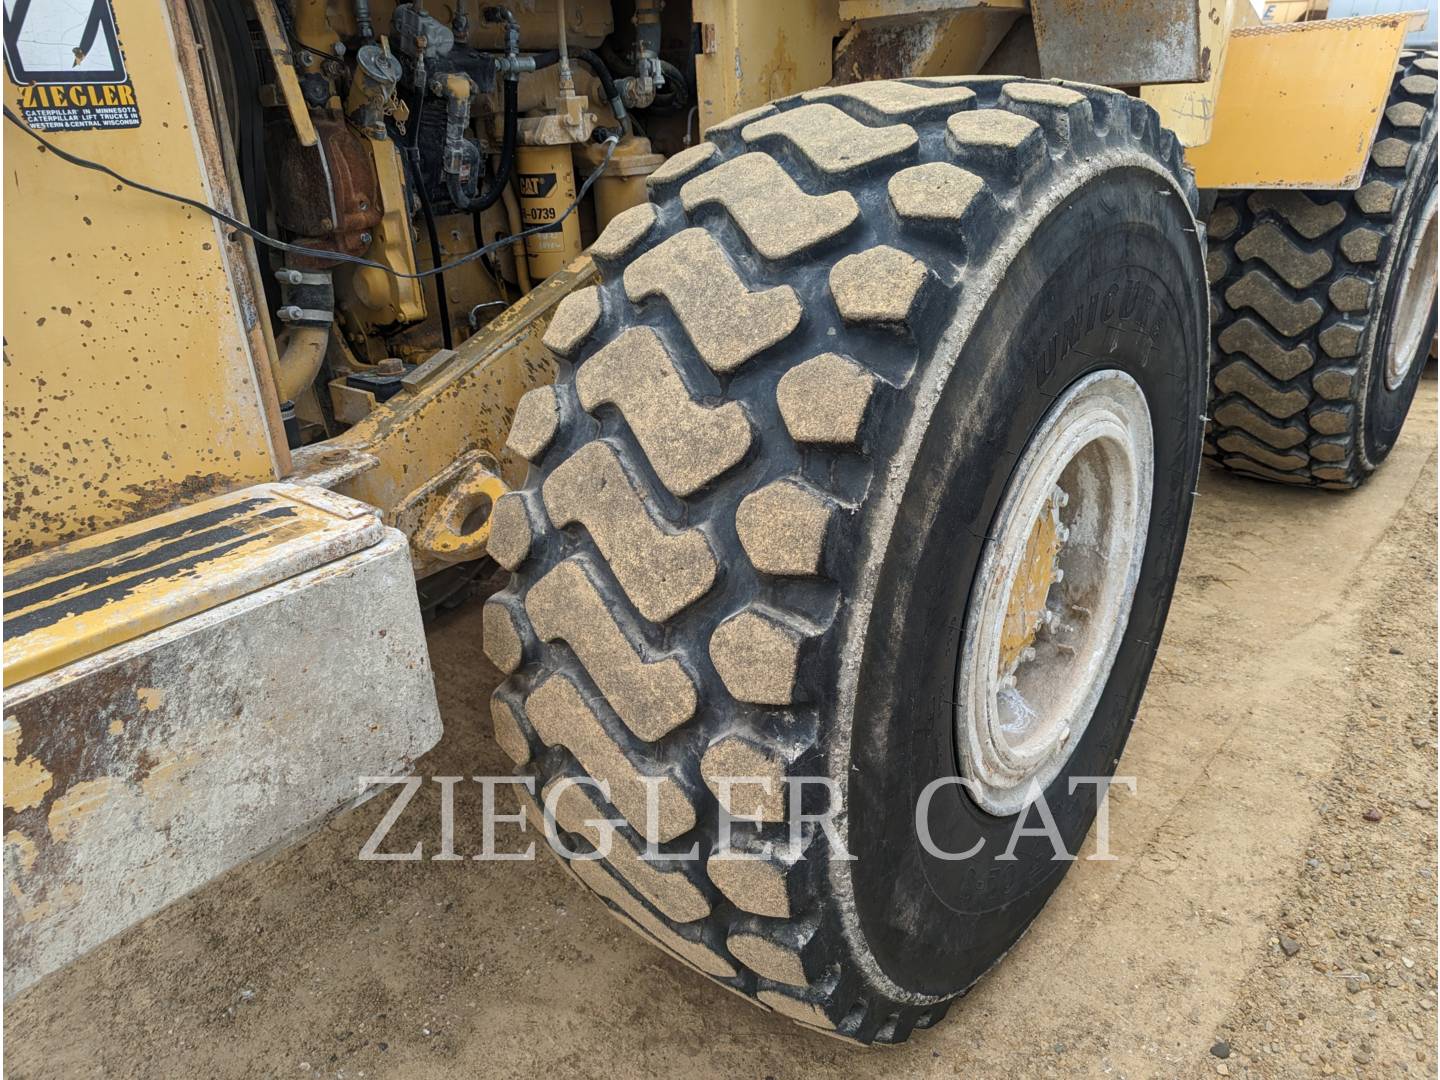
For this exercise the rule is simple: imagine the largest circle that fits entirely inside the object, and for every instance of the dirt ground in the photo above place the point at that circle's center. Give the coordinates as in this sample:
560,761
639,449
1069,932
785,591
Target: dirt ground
1275,890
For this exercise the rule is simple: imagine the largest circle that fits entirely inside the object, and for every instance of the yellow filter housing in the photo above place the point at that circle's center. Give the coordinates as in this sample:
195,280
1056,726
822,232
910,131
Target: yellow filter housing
547,187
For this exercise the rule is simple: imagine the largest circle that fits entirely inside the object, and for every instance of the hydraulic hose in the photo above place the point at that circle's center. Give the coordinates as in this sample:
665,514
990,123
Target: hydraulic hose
411,160
590,59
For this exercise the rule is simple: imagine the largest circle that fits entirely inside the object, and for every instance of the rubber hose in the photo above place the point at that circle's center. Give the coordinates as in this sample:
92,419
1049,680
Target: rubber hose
590,59
411,158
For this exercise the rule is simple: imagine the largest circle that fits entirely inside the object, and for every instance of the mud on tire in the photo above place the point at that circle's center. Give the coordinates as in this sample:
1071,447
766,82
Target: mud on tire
758,494
1304,294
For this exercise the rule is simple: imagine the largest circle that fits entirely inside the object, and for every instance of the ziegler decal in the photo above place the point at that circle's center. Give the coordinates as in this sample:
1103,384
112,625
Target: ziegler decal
66,60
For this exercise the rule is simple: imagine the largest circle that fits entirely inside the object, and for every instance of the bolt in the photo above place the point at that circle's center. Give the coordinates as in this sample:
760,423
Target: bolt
290,313
364,204
365,239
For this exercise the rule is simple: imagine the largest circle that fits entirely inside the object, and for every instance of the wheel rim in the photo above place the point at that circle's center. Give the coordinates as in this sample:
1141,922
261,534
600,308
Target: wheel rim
1052,596
1414,301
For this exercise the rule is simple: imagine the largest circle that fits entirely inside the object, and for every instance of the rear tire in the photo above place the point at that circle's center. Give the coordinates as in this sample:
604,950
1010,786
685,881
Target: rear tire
785,423
1313,370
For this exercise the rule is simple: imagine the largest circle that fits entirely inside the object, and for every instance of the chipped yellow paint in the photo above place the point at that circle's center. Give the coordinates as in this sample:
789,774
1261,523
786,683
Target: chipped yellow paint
1284,119
1032,586
130,381
26,779
754,53
162,777
150,698
117,727
22,849
83,597
69,812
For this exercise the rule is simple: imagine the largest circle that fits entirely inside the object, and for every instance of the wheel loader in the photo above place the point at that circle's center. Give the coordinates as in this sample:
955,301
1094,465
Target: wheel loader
831,378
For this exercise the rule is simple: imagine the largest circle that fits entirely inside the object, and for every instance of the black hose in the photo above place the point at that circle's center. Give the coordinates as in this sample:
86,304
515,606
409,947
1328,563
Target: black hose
464,200
417,180
591,60
675,95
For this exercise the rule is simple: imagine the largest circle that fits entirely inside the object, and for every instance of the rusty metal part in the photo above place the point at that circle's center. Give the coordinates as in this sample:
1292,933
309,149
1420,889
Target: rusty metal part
328,193
135,775
898,40
373,296
1300,103
1121,42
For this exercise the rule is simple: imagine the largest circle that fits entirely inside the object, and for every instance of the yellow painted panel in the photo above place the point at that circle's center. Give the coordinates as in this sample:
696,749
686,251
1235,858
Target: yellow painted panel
1188,109
1299,104
754,52
129,379
80,598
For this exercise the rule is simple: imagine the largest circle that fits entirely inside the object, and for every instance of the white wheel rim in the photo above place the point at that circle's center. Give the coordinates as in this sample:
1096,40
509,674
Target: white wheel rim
1086,480
1414,301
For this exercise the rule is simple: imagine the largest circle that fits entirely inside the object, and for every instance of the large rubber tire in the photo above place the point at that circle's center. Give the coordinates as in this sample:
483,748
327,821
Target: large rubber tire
759,494
1304,298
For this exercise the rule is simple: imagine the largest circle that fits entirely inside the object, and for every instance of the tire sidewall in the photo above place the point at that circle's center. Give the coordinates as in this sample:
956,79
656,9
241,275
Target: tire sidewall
934,926
1383,410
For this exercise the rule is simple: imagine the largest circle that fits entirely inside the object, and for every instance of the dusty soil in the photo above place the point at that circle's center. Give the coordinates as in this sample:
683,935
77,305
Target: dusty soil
1275,890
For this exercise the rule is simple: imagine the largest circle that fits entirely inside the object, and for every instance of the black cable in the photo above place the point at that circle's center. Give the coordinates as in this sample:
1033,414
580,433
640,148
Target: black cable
299,249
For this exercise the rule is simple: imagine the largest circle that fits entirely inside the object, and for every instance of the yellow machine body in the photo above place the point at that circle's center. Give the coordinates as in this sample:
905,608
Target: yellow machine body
1284,118
134,380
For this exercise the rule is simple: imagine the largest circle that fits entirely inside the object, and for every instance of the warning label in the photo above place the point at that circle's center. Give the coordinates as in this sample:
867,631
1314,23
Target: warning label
65,57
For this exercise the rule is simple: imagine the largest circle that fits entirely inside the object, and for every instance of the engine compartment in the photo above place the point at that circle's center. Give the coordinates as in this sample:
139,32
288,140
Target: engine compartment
423,138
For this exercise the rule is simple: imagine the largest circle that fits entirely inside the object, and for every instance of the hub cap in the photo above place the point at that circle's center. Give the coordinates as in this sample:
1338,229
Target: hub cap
1052,596
1414,301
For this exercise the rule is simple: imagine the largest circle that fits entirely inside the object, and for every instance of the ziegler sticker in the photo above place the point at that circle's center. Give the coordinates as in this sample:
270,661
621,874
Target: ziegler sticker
65,57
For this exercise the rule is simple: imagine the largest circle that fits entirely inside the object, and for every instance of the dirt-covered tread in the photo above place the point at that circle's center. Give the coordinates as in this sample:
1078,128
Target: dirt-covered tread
699,477
1295,280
